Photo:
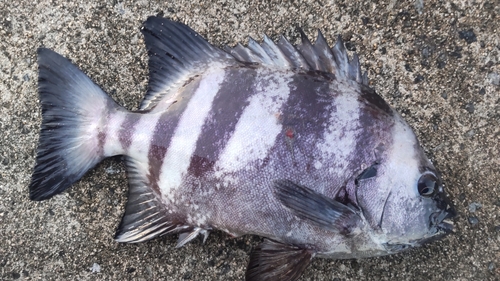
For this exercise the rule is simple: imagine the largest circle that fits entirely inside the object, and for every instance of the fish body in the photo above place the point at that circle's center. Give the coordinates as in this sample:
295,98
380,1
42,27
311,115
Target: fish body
281,141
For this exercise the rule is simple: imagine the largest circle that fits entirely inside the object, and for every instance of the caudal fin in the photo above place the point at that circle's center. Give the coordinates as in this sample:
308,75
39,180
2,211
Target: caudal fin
74,111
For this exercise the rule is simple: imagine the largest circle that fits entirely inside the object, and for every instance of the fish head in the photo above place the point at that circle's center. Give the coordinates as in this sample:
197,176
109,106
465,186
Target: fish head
416,211
402,196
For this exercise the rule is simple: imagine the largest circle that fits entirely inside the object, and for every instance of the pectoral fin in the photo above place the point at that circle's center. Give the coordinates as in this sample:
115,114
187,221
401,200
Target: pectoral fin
316,208
272,261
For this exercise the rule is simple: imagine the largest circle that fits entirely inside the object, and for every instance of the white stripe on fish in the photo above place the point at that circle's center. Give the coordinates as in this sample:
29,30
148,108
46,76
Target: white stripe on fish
250,141
112,144
187,132
340,135
141,140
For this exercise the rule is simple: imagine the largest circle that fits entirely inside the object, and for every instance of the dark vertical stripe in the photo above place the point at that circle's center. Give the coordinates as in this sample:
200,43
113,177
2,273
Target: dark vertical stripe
101,140
111,106
164,130
127,129
380,107
376,119
227,107
306,113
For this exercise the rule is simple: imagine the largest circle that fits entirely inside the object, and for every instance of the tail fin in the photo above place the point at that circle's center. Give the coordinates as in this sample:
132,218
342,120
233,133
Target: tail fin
74,111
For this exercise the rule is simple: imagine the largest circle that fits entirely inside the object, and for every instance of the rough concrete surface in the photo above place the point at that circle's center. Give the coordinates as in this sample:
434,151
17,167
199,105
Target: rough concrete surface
440,68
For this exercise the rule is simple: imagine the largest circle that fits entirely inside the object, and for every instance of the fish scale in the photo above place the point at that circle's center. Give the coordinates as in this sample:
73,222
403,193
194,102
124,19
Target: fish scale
281,141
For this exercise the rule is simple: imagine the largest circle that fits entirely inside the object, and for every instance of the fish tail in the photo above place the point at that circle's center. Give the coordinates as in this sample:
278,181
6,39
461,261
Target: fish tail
73,130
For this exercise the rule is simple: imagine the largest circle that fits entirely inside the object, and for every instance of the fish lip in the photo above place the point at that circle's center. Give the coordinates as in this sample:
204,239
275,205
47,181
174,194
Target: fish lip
438,229
446,227
441,222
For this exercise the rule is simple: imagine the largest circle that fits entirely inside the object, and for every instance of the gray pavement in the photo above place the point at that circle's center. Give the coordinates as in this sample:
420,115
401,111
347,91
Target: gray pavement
440,69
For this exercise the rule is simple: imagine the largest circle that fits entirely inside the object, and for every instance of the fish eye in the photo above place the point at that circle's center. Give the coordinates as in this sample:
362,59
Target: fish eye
427,185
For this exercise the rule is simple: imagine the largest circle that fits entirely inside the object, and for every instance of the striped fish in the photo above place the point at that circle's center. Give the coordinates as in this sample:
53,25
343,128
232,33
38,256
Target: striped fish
281,141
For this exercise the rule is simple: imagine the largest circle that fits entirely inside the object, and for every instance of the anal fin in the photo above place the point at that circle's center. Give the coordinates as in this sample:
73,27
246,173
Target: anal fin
272,261
145,217
185,237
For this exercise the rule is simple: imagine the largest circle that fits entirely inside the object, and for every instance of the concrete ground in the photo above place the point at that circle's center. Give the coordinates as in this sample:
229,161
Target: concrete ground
440,68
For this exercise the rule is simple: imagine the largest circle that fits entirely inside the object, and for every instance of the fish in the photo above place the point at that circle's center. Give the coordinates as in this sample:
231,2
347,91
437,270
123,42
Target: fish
287,142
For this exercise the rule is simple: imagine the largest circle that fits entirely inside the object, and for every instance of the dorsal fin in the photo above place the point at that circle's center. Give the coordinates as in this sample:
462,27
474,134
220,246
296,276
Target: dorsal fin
325,54
145,217
305,56
309,53
176,53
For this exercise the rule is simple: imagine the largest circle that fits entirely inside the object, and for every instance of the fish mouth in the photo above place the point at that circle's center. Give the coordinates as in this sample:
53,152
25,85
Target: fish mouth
445,226
440,226
441,222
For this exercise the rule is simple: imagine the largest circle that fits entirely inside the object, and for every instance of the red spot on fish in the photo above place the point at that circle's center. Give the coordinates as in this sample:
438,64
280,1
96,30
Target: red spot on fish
289,133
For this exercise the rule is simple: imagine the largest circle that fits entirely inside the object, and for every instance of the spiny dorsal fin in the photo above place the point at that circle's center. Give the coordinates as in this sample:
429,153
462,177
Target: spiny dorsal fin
305,56
176,53
144,217
309,53
325,54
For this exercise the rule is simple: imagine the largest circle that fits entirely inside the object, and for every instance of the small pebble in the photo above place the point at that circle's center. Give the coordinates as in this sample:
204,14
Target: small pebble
469,135
396,94
442,58
482,91
491,266
473,221
441,64
468,35
419,6
350,46
497,228
95,268
494,78
474,206
470,107
419,78
456,53
426,52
